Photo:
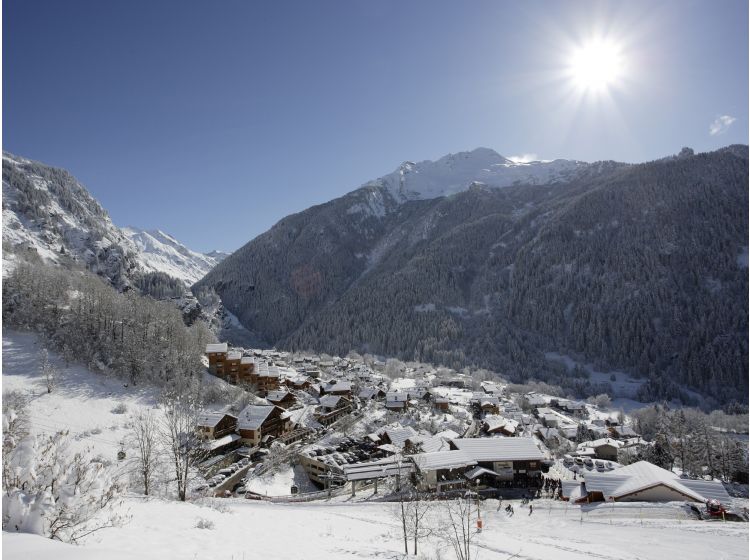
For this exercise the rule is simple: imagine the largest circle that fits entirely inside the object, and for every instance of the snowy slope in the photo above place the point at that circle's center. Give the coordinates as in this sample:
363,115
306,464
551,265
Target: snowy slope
159,251
338,529
456,172
46,209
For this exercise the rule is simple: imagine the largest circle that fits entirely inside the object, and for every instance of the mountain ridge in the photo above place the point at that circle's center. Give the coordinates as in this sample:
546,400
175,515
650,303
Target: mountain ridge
47,209
494,276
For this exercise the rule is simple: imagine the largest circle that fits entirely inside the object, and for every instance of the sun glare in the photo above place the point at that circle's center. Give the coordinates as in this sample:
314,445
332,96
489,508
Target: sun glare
596,66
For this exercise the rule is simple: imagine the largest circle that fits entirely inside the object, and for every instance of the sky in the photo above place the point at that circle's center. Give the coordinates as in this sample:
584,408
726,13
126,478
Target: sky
213,120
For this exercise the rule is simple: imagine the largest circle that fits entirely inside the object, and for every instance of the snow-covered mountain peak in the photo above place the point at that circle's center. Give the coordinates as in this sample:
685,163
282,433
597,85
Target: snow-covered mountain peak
456,172
159,251
47,210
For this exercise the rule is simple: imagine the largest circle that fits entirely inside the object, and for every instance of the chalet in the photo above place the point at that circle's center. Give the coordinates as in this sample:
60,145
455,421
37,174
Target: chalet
494,424
442,470
331,408
550,436
246,370
574,408
313,372
217,353
488,404
441,403
622,432
605,448
213,425
371,393
255,422
643,482
265,378
534,400
491,388
281,398
397,401
396,435
568,431
337,387
515,461
298,383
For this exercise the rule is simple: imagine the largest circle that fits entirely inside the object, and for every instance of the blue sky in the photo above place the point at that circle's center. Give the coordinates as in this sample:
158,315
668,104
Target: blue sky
213,120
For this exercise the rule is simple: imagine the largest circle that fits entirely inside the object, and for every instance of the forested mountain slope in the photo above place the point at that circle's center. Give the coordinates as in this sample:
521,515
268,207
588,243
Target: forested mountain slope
639,267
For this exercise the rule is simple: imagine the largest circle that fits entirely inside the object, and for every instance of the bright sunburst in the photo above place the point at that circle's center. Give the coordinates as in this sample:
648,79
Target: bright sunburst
596,66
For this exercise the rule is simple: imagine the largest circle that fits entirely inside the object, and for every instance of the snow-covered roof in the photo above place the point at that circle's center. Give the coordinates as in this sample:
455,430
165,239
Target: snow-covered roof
601,443
211,419
497,422
430,444
478,471
499,449
338,385
234,355
398,434
221,347
330,401
253,416
642,475
277,395
221,442
247,360
390,466
453,459
573,489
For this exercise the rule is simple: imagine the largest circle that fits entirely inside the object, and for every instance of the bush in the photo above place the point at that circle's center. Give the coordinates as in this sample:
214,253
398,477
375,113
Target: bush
204,524
121,408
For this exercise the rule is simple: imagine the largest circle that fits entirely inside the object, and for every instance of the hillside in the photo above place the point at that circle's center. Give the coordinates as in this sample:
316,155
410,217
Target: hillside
46,209
636,267
86,403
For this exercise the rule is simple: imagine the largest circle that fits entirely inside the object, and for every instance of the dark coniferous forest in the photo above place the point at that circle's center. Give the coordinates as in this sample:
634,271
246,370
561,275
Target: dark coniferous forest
642,268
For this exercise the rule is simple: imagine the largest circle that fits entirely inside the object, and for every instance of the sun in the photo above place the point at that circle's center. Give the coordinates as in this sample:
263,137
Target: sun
596,66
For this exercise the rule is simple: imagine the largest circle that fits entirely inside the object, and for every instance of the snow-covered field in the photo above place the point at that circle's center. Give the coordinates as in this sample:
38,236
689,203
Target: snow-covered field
329,530
340,528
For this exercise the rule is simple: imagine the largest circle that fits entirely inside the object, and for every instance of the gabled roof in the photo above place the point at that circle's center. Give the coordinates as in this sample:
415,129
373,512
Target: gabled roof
398,434
643,475
497,422
253,416
212,419
438,460
278,395
430,444
499,449
330,401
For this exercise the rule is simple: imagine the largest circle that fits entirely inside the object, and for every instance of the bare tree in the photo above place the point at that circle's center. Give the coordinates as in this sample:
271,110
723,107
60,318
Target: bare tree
180,437
145,439
48,370
459,517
